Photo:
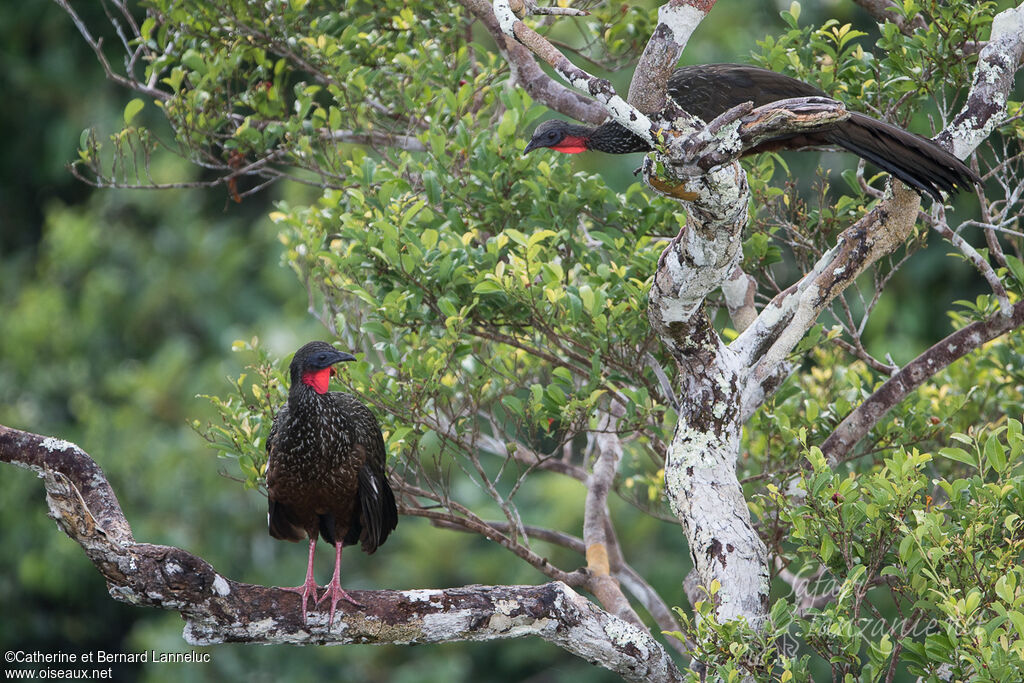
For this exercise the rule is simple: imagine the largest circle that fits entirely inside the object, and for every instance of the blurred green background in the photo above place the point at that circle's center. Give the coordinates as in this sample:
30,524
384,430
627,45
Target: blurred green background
117,308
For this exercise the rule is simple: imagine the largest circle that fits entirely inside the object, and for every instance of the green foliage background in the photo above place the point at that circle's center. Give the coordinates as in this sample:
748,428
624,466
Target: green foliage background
118,308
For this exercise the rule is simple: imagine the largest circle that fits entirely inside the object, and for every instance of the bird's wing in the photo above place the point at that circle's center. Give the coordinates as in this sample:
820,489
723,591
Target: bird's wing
708,90
378,513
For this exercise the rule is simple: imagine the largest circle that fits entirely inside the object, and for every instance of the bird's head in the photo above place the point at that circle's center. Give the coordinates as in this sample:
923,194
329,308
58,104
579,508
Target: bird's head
313,365
561,136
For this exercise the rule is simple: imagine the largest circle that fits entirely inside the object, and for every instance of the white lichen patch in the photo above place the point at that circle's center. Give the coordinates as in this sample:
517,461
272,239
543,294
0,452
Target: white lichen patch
681,20
729,141
735,291
124,594
1009,22
446,625
424,595
506,19
689,447
173,568
51,444
506,606
622,634
628,116
220,586
499,623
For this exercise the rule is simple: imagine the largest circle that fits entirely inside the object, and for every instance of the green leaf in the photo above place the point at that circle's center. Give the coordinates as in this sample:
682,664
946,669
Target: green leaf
131,109
1016,267
995,454
958,454
487,287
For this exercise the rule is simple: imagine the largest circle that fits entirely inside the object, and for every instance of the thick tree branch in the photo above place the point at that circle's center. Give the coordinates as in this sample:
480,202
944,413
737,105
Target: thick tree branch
628,577
858,423
218,610
993,79
677,20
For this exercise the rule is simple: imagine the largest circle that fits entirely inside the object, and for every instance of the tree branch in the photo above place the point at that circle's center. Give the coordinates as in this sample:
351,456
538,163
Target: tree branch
677,20
219,610
600,88
957,345
597,522
993,78
530,76
129,81
884,11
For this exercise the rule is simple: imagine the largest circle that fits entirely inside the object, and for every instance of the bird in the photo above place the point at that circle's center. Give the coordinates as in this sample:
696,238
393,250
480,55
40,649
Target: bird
708,90
326,470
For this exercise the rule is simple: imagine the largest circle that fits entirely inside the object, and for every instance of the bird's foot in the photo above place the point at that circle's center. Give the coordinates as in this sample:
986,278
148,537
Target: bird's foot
336,594
306,590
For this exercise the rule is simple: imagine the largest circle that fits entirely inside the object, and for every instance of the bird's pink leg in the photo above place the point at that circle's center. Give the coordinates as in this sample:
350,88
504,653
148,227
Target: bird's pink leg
309,587
334,589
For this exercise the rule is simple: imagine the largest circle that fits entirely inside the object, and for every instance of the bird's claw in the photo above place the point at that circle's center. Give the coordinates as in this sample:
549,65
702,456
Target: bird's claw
337,594
305,590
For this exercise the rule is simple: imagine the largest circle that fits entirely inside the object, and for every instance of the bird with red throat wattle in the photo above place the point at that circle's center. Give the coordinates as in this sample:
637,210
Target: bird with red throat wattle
327,470
708,90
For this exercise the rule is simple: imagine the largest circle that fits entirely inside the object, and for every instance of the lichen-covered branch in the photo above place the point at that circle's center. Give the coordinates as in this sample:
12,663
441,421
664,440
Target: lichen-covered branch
993,79
700,475
217,609
677,20
765,345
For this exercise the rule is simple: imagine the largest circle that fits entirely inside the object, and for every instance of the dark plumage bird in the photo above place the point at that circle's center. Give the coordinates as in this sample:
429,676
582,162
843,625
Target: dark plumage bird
711,89
326,471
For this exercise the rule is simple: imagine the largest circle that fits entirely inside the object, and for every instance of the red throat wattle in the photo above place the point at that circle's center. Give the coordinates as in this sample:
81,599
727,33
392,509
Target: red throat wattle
571,144
320,380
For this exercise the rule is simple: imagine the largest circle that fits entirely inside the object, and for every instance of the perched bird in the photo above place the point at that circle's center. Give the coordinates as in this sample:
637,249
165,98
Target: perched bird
326,469
711,89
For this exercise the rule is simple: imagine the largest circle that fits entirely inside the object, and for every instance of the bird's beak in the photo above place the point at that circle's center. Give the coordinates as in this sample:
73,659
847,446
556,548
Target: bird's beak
341,356
530,146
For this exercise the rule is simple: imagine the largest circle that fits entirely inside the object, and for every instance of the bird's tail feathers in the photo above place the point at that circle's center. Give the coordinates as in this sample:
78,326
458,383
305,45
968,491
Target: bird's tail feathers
915,160
378,513
282,525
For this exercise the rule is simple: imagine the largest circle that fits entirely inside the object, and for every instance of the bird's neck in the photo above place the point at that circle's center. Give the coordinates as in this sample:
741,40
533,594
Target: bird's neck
614,138
304,399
